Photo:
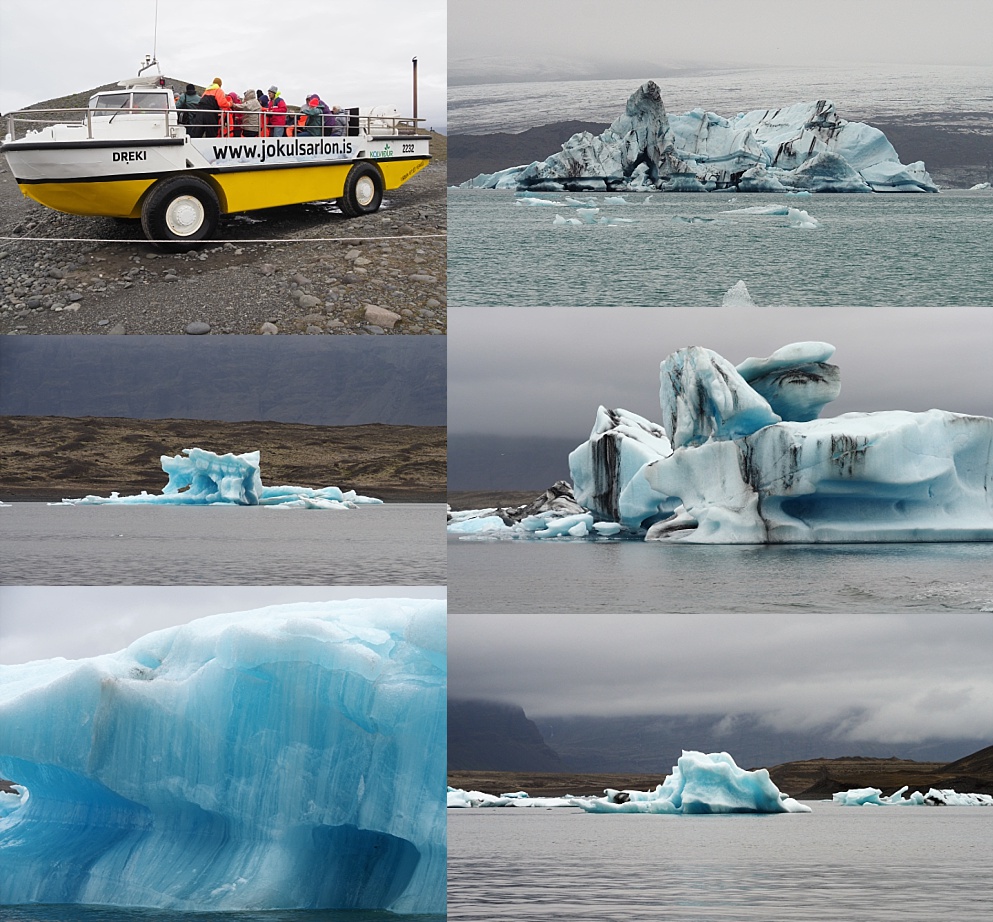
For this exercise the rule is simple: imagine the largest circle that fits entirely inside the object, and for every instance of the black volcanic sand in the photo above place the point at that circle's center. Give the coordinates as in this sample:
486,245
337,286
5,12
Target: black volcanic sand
957,148
300,284
484,499
51,458
813,779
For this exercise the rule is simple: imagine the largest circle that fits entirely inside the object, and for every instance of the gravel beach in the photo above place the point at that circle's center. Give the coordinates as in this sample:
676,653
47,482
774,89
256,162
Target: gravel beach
315,270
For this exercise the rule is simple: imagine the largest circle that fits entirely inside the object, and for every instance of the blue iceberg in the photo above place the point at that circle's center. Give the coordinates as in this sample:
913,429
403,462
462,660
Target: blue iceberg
203,478
288,757
699,783
742,457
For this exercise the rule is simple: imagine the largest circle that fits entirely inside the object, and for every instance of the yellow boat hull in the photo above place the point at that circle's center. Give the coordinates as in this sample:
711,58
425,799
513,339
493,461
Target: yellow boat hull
237,190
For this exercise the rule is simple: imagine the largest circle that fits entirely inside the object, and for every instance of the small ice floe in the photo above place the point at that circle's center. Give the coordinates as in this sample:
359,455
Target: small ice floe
615,200
545,202
737,296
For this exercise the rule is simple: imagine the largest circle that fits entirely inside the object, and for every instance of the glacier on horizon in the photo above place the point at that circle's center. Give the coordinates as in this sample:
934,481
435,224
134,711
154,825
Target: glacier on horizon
698,783
805,147
204,478
288,757
873,797
742,457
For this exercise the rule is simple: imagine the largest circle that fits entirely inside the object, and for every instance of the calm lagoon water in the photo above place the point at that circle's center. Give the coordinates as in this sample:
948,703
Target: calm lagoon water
631,576
396,543
837,863
110,914
895,250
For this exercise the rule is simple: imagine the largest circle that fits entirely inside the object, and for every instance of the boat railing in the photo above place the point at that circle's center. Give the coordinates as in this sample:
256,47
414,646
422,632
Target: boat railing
166,122
23,122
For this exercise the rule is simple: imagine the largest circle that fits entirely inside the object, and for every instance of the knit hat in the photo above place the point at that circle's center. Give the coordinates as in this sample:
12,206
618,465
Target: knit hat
314,100
274,89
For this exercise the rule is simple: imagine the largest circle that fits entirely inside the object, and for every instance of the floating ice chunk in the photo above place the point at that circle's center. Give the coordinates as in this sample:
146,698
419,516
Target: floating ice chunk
288,757
803,193
701,783
578,203
615,200
781,210
478,525
696,219
560,220
873,797
613,222
607,528
529,200
204,478
737,296
979,186
799,218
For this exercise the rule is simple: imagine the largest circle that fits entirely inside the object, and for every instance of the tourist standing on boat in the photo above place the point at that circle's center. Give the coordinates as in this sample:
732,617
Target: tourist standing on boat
250,120
213,104
277,113
338,123
188,106
312,121
263,119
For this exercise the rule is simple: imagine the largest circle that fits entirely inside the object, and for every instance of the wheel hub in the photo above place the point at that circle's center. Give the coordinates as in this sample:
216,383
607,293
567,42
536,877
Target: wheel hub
365,191
184,215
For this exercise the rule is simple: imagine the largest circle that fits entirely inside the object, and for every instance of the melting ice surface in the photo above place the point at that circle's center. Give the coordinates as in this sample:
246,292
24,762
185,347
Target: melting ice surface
803,147
873,797
742,458
204,478
698,783
289,757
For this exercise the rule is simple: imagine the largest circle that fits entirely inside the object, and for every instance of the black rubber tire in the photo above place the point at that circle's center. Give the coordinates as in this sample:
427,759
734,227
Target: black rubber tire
181,211
363,192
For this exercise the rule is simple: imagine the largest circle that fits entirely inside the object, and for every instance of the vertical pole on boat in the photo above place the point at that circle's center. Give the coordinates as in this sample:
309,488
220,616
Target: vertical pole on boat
415,90
155,37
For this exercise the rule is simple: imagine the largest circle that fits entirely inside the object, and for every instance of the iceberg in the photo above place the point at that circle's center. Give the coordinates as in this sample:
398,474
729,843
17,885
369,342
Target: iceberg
873,797
288,757
699,783
742,457
203,478
805,147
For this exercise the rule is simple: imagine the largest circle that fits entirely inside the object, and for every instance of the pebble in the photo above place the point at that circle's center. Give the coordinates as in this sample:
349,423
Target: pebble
269,329
380,316
197,328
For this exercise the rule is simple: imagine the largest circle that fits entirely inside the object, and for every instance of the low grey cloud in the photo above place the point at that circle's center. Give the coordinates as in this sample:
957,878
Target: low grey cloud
530,371
899,678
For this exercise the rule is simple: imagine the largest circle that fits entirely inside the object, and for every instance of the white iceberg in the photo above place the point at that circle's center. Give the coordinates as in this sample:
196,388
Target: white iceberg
203,478
803,147
741,457
289,757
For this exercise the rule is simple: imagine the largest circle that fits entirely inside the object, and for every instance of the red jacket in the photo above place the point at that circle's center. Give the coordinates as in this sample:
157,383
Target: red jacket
277,112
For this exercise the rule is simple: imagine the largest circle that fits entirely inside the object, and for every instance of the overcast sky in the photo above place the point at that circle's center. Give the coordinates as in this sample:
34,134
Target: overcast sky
899,678
529,371
643,37
352,54
41,622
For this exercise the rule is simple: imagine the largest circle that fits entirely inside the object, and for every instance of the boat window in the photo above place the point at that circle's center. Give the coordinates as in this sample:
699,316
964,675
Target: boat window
150,101
109,103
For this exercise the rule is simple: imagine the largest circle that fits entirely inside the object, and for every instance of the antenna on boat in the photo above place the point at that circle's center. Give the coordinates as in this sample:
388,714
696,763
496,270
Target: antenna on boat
414,60
153,58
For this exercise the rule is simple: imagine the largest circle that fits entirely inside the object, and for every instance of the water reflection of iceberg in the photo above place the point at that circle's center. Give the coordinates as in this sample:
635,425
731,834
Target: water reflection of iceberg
204,478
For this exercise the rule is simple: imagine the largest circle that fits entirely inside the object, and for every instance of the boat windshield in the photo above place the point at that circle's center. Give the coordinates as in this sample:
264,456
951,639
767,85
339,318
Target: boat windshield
111,103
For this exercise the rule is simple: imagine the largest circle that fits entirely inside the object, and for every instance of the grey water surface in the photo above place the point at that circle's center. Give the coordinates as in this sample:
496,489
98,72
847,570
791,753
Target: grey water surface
395,543
635,576
896,250
837,863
